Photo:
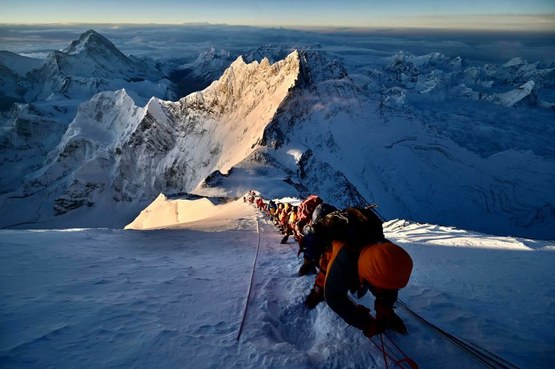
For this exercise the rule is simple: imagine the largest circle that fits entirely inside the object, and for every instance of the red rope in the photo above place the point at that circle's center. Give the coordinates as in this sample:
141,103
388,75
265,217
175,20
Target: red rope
388,356
406,358
409,361
383,350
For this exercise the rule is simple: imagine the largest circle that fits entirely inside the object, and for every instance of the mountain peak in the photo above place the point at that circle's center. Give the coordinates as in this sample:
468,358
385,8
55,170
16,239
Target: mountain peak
91,41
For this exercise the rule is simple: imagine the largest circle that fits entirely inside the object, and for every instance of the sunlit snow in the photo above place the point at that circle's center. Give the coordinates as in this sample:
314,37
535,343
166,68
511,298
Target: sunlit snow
174,298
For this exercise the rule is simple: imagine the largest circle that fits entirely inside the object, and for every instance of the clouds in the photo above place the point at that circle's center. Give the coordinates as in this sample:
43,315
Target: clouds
185,41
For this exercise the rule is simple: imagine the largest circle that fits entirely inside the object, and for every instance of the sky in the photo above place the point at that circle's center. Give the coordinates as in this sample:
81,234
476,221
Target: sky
484,14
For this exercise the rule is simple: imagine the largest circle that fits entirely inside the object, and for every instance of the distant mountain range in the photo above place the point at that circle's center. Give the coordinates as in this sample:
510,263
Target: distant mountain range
294,122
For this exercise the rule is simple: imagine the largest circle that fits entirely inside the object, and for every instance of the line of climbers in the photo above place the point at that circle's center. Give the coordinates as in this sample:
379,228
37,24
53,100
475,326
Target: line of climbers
348,252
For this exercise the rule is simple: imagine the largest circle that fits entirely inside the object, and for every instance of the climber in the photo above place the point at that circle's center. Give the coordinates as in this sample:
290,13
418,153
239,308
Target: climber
311,243
304,214
290,224
359,259
284,217
277,213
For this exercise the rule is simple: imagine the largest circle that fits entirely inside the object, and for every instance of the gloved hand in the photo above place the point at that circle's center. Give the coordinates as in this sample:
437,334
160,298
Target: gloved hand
388,319
383,312
315,296
370,327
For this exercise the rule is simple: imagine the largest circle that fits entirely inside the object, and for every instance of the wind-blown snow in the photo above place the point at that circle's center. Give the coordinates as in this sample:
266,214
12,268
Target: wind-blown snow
175,298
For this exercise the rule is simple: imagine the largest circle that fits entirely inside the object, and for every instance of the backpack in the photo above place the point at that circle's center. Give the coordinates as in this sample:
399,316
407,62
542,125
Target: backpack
357,227
306,208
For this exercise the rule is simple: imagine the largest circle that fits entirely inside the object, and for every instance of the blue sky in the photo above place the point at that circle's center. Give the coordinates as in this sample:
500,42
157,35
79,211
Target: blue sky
315,13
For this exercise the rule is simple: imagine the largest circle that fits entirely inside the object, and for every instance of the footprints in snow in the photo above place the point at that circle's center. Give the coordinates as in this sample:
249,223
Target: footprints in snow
293,324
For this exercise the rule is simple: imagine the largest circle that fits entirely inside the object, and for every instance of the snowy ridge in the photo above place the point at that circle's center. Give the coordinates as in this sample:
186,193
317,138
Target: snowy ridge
90,65
442,255
164,147
19,64
524,93
49,94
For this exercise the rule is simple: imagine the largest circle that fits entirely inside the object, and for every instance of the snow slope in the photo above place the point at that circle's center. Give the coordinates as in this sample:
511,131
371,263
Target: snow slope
19,64
175,298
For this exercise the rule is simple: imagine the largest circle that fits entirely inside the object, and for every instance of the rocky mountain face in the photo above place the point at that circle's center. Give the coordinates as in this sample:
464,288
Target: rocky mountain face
298,126
38,99
90,65
116,155
348,146
13,84
515,82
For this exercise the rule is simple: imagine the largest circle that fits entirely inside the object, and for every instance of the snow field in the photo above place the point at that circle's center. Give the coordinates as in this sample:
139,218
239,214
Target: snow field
100,298
174,298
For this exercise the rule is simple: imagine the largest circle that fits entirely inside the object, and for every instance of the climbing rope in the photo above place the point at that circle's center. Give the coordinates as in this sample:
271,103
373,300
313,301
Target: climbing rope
400,359
250,283
487,358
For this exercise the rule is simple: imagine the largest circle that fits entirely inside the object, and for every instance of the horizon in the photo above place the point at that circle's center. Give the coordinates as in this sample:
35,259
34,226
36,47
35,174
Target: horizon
309,28
509,15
